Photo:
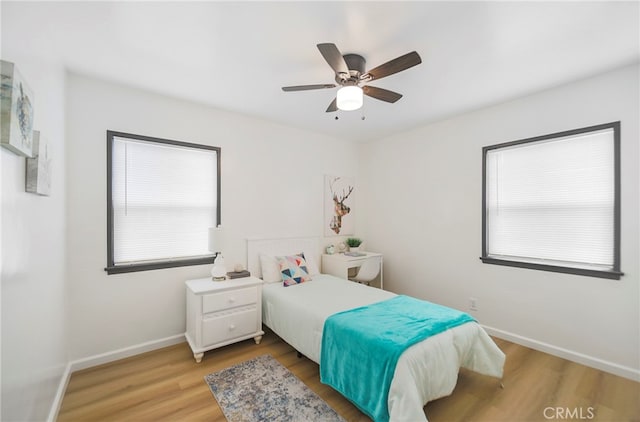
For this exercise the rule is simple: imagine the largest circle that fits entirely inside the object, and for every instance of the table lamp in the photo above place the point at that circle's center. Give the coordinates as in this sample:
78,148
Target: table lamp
216,244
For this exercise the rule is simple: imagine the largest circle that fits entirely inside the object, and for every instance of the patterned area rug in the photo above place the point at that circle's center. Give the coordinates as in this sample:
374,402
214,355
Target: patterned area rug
261,389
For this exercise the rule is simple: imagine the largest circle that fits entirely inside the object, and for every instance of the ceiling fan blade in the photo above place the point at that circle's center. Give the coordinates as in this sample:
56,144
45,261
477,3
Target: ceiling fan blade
333,106
394,66
333,56
307,87
381,94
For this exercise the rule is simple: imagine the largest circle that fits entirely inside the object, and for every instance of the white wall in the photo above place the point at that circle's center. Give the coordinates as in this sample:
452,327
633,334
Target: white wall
272,186
32,275
423,196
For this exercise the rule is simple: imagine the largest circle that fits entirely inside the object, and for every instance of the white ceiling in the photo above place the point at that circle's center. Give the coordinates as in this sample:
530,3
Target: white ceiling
237,55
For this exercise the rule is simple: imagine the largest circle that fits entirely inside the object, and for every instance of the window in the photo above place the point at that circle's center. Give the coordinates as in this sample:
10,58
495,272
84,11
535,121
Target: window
162,196
553,202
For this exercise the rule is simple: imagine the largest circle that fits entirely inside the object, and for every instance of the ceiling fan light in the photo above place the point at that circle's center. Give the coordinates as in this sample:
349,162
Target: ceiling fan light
349,98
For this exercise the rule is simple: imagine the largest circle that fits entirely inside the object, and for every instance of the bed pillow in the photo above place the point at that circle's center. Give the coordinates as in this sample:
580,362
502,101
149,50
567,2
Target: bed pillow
270,268
312,267
293,269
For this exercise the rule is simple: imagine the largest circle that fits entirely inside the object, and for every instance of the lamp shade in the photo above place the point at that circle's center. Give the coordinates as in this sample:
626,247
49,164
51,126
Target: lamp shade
349,98
216,239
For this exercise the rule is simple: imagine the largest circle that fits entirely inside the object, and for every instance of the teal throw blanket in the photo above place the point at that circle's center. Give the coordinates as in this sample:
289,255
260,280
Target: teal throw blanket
361,347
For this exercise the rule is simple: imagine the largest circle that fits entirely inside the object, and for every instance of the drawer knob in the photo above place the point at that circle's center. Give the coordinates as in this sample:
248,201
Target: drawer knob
232,327
231,300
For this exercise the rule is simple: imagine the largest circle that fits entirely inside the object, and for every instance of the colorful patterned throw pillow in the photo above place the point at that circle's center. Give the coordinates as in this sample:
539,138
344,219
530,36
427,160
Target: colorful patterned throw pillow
294,269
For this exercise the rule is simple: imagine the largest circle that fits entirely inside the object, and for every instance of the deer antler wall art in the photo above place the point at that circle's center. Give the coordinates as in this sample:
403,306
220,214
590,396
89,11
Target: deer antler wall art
338,197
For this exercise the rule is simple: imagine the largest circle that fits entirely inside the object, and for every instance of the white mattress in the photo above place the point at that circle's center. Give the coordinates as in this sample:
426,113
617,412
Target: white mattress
425,371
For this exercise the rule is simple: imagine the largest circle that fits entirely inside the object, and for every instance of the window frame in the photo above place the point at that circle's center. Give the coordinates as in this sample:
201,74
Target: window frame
111,267
615,273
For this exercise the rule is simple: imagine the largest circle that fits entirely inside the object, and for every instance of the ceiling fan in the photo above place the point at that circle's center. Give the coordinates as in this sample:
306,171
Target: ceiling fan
351,76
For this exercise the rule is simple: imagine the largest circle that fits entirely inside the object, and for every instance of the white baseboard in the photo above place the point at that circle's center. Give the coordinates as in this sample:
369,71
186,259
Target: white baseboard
88,362
593,362
57,400
102,358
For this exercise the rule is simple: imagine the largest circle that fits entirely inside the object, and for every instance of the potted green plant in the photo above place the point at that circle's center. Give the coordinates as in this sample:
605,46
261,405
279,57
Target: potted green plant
354,244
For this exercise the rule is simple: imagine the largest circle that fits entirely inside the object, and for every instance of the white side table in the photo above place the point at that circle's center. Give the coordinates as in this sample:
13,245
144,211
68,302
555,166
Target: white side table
223,312
339,264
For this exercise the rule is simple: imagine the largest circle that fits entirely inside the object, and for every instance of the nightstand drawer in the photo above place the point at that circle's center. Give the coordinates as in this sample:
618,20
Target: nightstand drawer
231,299
217,329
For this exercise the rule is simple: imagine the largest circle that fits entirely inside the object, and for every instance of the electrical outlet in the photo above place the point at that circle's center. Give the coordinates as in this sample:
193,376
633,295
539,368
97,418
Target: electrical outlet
473,304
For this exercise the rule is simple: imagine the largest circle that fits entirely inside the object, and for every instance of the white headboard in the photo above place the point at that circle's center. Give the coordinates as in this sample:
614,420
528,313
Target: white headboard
281,246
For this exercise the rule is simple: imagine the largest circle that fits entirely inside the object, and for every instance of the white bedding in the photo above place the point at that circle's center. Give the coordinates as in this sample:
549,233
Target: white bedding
425,371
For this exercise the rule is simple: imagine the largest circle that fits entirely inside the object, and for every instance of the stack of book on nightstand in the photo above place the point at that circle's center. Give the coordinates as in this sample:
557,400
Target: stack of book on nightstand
238,274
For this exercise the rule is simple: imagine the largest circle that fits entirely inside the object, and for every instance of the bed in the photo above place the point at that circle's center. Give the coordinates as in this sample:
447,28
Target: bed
425,371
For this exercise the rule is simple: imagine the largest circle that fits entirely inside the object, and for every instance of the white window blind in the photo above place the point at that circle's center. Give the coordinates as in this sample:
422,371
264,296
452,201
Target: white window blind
552,201
164,199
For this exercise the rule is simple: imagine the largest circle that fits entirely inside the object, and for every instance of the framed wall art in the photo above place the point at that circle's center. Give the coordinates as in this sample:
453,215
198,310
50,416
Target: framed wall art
39,167
338,206
16,108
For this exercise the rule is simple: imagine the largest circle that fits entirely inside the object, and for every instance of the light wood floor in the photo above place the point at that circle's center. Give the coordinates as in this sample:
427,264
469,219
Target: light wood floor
167,385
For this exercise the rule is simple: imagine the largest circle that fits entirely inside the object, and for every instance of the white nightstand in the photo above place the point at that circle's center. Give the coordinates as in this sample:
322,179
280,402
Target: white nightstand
222,312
